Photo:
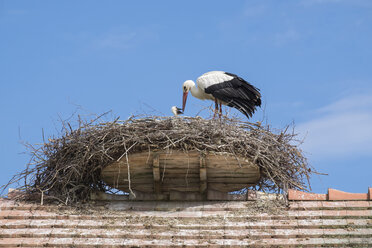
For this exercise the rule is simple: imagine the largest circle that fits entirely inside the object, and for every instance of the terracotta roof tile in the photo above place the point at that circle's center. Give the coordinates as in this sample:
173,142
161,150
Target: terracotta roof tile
332,195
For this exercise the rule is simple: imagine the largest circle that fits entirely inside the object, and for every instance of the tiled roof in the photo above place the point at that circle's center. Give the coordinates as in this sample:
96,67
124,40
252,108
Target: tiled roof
305,223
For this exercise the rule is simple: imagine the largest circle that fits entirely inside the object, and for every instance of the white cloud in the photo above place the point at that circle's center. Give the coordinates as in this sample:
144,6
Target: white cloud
362,3
341,129
17,12
124,38
350,104
321,1
253,10
285,37
116,38
119,40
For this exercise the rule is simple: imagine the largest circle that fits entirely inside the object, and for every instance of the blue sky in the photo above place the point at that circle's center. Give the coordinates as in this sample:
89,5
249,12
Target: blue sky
310,58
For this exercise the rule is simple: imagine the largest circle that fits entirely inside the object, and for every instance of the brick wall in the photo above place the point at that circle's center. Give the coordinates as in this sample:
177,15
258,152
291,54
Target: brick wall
306,222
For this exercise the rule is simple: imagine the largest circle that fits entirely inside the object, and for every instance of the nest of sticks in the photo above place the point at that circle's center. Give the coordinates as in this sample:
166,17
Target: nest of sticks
67,168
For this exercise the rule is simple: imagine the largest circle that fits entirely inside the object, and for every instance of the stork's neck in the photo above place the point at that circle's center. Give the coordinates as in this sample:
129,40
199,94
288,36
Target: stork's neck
197,92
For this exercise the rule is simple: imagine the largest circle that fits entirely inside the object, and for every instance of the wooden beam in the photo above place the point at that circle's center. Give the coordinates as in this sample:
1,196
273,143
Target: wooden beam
214,195
102,196
203,174
142,196
156,174
185,196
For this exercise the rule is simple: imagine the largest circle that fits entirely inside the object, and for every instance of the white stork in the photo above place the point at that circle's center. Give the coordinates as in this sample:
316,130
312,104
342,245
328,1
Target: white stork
224,88
176,111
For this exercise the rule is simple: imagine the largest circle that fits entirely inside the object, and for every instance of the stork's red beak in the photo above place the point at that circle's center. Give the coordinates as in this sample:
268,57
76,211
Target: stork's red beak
184,100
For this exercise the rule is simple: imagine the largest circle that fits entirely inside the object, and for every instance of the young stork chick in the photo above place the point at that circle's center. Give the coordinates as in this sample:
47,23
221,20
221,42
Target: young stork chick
176,111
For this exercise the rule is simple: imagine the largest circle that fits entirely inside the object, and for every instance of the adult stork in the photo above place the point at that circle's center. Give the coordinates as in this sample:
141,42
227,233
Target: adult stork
224,88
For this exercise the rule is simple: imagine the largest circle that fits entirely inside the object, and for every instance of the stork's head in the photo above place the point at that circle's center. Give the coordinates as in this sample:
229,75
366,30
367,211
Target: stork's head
186,87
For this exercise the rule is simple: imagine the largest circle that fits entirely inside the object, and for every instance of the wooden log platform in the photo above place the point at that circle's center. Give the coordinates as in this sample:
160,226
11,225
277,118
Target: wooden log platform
171,175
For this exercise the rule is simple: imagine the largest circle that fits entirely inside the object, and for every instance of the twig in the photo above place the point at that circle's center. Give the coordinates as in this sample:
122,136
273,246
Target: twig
68,168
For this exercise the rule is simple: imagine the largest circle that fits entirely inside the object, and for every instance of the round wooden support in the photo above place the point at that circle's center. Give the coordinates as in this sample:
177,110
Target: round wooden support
163,172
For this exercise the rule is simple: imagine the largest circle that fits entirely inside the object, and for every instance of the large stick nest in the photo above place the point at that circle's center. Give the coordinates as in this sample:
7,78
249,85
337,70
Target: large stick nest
67,168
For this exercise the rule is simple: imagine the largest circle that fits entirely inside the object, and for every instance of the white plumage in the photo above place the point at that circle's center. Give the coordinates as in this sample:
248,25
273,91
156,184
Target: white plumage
176,111
212,77
224,88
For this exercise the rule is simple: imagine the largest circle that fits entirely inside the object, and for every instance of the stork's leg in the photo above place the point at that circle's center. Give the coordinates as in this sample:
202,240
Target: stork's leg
220,113
215,108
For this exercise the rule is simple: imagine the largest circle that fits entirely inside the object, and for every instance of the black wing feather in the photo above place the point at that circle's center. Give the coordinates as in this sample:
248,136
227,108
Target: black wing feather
237,93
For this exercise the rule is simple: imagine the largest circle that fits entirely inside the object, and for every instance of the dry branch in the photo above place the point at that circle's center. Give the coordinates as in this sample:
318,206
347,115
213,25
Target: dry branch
68,168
